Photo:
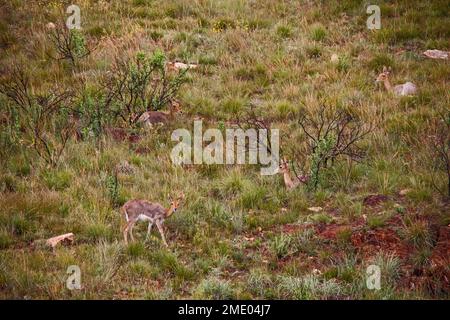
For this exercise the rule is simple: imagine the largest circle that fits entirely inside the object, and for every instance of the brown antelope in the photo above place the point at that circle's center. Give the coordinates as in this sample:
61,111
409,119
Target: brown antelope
406,89
288,181
143,210
150,118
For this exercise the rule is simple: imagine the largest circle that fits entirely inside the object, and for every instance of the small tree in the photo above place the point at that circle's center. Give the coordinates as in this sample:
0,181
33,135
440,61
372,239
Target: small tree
70,44
330,134
43,118
141,84
93,113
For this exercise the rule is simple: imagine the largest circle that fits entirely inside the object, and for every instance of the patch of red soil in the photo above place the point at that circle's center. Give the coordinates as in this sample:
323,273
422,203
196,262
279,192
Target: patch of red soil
441,252
375,199
439,270
294,228
369,242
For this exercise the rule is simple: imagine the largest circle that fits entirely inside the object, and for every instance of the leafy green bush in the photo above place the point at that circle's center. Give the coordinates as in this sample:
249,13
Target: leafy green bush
141,84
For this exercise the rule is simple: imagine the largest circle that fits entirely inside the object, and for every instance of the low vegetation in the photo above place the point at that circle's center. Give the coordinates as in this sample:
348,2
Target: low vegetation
375,165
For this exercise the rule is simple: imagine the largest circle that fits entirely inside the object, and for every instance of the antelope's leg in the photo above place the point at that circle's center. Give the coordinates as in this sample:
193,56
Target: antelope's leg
149,229
160,229
131,232
125,231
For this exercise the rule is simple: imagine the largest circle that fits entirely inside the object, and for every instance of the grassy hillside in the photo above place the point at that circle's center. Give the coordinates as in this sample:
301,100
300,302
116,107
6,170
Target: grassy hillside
238,234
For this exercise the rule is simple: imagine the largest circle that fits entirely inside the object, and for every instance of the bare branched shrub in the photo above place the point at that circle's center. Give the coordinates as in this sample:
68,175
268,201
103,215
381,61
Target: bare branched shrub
42,118
440,150
251,120
141,84
70,44
330,134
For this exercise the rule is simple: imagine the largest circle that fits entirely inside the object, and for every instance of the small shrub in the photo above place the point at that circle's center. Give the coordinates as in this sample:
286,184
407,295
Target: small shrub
70,44
112,186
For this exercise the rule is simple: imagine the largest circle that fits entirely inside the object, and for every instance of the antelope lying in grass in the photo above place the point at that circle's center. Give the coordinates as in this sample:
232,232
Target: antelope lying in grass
406,89
288,181
151,118
143,210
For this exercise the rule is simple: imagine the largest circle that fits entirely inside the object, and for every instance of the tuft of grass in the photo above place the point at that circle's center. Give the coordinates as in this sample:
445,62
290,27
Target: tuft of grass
5,238
284,31
280,245
307,288
98,231
314,51
259,283
417,232
136,249
215,289
318,33
57,180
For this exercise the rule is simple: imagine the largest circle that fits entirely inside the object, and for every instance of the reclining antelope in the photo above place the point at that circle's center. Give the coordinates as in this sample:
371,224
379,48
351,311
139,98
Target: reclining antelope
288,181
143,210
150,118
406,89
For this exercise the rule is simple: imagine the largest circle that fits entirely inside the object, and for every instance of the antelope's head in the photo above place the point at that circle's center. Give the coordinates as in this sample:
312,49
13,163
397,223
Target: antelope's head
283,167
383,76
174,204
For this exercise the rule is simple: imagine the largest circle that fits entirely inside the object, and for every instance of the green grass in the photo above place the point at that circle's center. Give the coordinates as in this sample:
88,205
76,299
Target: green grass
237,235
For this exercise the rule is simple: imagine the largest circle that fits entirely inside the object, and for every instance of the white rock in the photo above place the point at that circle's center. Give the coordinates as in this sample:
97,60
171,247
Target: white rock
436,54
50,26
334,58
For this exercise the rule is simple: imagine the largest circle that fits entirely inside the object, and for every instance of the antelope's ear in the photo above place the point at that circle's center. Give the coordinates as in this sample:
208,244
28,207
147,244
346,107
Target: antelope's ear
181,196
384,69
389,69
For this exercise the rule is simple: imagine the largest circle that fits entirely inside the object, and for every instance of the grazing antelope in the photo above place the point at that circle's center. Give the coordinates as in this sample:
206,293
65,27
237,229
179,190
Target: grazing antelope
150,118
406,89
288,182
143,210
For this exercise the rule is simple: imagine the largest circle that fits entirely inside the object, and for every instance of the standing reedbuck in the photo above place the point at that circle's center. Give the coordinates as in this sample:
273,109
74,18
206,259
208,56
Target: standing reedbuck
288,182
143,210
406,89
